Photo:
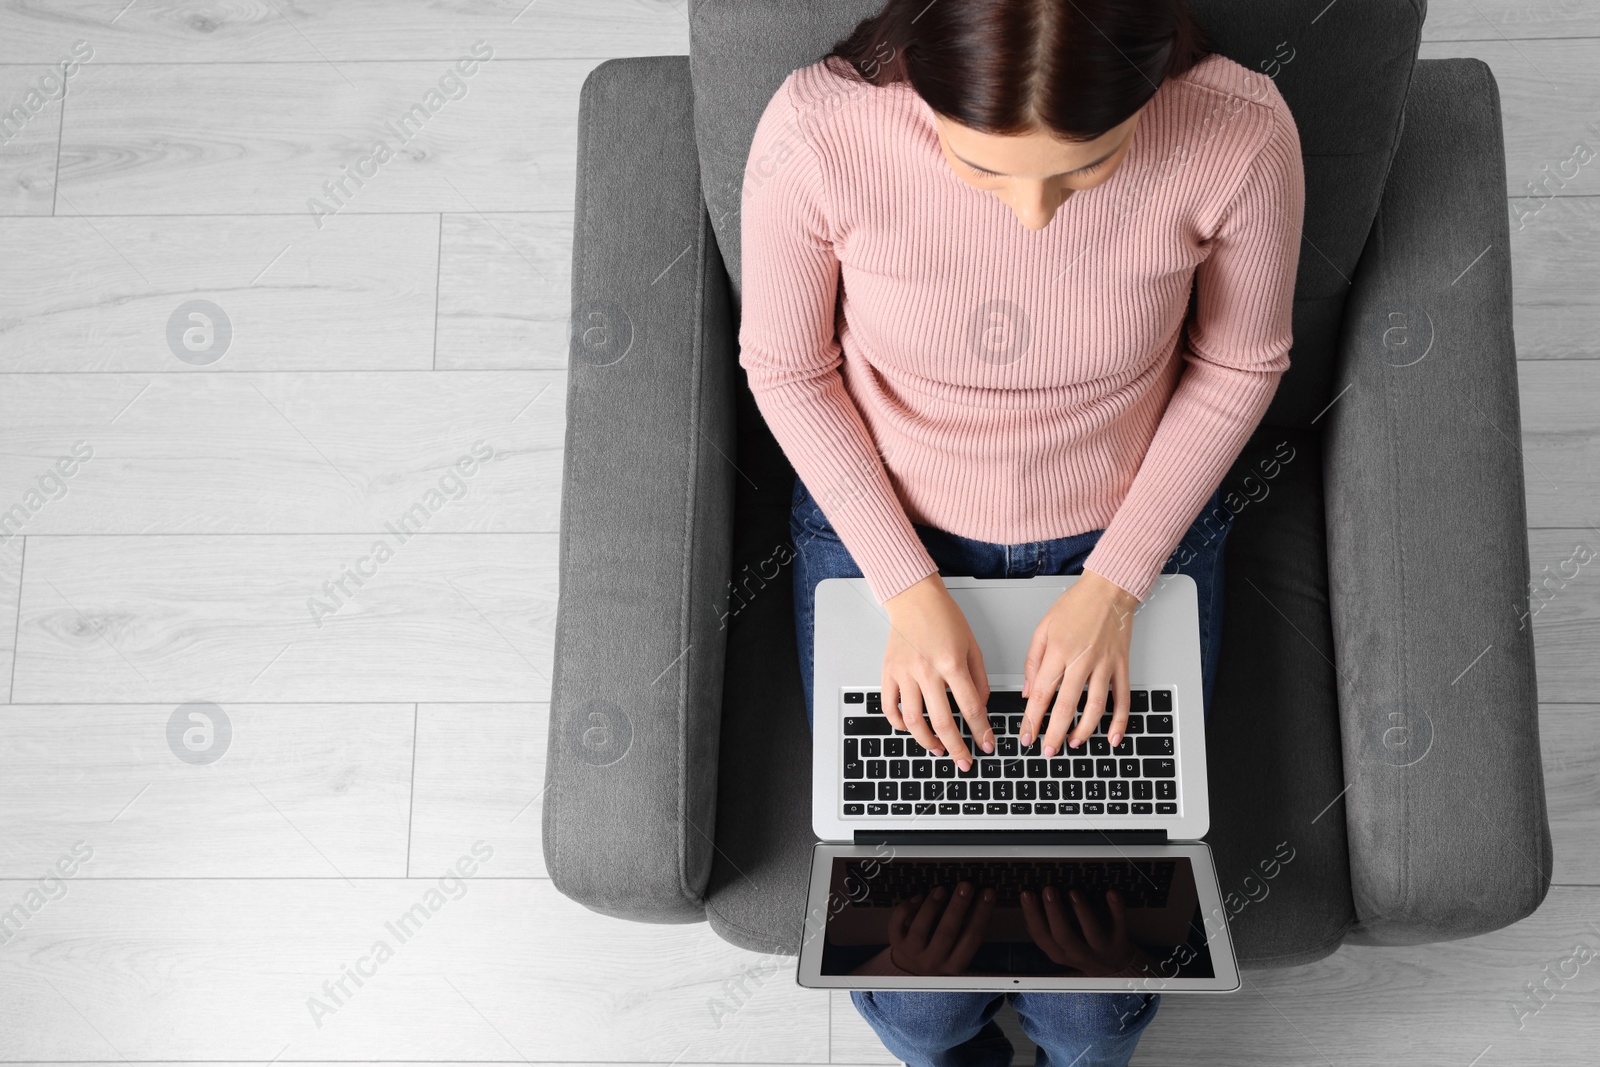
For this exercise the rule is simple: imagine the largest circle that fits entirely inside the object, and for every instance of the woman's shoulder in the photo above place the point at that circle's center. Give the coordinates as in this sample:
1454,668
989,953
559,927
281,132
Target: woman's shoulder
1232,85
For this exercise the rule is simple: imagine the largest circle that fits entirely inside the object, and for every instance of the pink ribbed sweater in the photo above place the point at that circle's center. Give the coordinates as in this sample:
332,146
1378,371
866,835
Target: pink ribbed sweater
922,357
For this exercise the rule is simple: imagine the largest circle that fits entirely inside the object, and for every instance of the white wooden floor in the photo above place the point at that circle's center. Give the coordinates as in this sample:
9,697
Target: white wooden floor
375,742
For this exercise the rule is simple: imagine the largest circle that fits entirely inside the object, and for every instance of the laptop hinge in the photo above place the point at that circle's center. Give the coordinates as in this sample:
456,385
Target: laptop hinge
1010,837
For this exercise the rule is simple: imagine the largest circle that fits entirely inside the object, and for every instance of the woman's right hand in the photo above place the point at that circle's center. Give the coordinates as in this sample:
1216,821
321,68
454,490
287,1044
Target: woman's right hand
931,645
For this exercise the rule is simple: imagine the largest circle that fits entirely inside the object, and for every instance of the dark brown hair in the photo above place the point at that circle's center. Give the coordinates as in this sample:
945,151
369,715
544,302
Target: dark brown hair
1074,67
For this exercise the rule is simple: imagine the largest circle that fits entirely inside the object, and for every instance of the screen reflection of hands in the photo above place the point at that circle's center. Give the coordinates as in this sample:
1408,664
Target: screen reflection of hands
918,947
1095,951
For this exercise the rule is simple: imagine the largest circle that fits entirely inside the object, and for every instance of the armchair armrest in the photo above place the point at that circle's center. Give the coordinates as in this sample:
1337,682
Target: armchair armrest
1427,542
646,511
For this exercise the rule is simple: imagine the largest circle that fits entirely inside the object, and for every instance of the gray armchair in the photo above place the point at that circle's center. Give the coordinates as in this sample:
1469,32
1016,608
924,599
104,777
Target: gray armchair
1374,715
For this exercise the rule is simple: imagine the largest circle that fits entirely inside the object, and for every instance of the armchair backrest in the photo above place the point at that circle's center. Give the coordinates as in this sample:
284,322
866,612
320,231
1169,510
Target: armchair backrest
1343,67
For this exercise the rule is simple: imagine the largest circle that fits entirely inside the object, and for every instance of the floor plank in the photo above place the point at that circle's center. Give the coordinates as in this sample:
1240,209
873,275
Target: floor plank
176,139
480,773
296,453
1569,736
1555,259
1494,20
497,970
505,290
101,294
155,619
1565,613
254,791
33,97
1560,441
341,31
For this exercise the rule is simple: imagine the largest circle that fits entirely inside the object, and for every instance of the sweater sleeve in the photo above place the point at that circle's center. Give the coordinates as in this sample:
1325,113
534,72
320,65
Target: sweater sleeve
1236,355
789,349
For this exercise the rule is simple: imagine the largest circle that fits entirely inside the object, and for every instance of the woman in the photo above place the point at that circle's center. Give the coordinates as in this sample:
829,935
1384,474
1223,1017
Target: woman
969,235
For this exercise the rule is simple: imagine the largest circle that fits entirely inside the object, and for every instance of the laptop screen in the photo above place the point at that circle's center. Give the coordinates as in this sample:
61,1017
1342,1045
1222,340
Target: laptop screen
1129,916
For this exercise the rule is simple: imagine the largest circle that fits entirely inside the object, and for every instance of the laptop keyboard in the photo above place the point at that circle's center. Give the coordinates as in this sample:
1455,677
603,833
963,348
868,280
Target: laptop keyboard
887,772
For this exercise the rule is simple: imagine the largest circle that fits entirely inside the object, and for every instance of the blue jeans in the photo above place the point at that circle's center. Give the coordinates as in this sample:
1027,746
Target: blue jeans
949,1029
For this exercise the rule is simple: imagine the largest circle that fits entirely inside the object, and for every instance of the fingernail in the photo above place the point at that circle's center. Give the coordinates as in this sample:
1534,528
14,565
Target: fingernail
938,892
965,765
988,746
1116,736
1049,750
965,890
1027,739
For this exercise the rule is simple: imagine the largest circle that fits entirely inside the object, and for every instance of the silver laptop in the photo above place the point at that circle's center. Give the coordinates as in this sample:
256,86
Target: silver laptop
1113,831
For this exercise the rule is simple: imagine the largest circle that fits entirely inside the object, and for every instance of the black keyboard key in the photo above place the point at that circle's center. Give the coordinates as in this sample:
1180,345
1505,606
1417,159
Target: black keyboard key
949,809
855,809
1022,809
1128,768
1141,790
874,703
1155,745
1044,809
859,791
991,768
1118,790
1005,746
1027,790
1135,725
877,809
944,768
913,790
855,698
1002,790
1071,790
854,768
894,747
1050,790
1116,809
1033,748
1094,809
871,747
1167,790
1099,746
1141,809
997,809
1082,768
1015,768
955,790
899,768
1013,724
852,749
1139,700
1094,790
922,768
925,808
1060,768
1105,768
1158,724
972,809
1166,809
1067,809
1160,700
1123,747
899,809
978,790
1160,768
877,768
888,790
914,748
933,790
1038,768
861,724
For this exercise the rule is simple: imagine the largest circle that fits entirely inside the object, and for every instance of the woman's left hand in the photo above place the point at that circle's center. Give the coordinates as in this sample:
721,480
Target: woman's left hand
1083,638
